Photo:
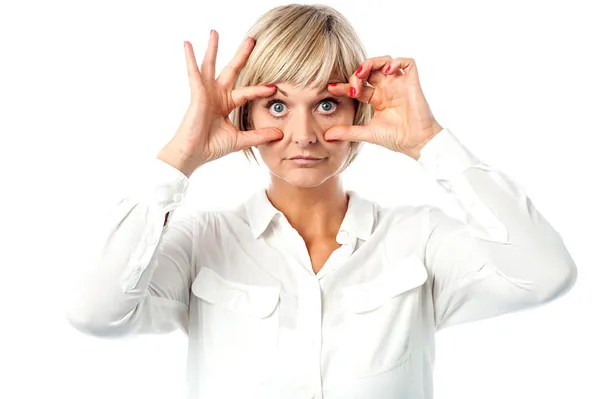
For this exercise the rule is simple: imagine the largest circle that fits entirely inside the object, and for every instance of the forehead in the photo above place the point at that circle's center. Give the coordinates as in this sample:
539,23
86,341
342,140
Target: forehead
291,89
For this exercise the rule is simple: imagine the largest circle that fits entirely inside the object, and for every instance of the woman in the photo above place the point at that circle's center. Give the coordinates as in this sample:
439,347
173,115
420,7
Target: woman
307,290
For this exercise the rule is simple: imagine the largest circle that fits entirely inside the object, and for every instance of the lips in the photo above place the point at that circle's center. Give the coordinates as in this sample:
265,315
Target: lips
307,158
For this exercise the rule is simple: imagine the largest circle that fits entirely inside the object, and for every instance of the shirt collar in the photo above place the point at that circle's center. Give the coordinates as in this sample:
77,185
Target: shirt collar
358,221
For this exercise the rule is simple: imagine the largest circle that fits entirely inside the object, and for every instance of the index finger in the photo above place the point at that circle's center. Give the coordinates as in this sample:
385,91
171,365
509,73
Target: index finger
229,74
191,65
369,71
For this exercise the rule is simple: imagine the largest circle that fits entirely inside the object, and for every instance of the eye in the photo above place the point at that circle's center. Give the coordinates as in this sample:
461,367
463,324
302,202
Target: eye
327,103
278,106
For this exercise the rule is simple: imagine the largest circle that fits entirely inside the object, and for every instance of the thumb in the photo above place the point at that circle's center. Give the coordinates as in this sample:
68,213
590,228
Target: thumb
249,138
348,133
242,95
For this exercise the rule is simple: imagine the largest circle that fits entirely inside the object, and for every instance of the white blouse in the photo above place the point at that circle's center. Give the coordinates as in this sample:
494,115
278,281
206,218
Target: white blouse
261,324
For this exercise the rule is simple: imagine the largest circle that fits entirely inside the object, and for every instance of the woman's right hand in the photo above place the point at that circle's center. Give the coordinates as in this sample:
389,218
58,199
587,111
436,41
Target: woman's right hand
206,133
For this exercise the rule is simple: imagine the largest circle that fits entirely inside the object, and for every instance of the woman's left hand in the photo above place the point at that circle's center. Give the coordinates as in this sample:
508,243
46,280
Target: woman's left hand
402,121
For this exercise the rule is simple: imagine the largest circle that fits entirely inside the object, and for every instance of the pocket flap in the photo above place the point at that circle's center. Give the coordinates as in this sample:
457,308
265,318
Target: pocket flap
251,300
404,275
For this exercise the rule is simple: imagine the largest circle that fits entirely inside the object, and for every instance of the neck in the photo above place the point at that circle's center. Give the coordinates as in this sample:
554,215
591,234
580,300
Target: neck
315,212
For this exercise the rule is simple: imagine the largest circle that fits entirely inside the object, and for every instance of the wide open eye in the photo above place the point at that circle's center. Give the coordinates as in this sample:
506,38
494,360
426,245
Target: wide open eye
276,107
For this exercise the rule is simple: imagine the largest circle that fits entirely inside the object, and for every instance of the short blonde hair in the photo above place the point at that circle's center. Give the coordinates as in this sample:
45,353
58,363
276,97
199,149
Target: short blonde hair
304,45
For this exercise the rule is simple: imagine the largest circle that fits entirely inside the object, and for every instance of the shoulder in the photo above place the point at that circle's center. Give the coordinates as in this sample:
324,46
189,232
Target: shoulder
399,213
218,223
422,219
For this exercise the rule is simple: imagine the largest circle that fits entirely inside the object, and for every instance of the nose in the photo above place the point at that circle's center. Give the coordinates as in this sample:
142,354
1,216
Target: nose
303,129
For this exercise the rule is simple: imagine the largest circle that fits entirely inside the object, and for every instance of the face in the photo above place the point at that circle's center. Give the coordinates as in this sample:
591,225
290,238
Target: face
303,116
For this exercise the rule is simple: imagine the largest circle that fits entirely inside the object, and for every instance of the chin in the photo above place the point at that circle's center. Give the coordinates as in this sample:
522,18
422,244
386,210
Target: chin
303,177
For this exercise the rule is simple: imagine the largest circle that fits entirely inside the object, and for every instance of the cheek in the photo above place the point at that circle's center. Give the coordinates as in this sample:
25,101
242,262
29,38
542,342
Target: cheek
338,150
260,119
270,152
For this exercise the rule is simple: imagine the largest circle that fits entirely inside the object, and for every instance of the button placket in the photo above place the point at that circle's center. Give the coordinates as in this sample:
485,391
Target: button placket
314,319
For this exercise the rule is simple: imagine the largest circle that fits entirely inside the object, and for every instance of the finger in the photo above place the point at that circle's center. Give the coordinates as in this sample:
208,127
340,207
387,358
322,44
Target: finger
210,56
343,89
400,65
249,138
370,69
357,83
348,133
230,73
192,66
242,95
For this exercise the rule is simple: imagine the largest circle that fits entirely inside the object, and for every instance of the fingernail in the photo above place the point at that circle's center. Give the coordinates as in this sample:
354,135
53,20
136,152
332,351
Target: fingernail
332,84
358,70
388,69
352,92
271,86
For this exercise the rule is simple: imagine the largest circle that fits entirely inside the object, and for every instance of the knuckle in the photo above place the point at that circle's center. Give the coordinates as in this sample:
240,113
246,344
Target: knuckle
235,68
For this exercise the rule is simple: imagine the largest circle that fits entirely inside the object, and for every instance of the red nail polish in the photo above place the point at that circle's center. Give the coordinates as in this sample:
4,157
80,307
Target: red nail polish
352,92
358,70
270,86
388,69
332,84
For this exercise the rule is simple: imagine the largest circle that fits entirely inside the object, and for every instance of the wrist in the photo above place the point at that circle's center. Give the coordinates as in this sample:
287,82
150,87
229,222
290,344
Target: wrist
415,152
177,160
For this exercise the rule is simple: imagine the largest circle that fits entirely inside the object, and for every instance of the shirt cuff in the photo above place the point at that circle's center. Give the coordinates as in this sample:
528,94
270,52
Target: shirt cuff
160,185
445,157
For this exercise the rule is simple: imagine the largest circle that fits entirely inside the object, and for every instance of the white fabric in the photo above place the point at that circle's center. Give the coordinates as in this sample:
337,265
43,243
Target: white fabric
261,324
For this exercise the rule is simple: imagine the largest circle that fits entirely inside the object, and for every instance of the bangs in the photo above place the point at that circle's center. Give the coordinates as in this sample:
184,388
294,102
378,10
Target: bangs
304,54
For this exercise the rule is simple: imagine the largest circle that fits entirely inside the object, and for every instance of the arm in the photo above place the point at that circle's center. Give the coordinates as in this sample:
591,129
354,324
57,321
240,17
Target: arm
507,257
140,281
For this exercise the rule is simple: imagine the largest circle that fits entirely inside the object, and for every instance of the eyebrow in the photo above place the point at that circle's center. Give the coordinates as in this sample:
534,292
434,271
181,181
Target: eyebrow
285,94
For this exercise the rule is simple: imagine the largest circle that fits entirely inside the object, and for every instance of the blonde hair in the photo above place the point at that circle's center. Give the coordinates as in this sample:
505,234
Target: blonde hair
303,45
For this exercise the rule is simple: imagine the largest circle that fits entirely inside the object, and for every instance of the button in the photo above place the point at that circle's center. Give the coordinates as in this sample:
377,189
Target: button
177,197
342,237
471,201
151,240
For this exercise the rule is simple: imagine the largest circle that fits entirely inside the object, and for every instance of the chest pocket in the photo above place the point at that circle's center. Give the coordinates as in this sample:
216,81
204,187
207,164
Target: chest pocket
239,324
381,315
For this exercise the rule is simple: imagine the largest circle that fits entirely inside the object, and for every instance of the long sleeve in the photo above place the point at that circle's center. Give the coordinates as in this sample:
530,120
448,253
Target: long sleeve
505,258
140,281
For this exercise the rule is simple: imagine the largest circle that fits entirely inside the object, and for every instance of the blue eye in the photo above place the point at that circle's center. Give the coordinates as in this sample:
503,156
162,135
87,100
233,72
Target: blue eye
329,105
279,107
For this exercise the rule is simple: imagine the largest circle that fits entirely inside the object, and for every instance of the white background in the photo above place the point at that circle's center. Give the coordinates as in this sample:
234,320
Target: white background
89,89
